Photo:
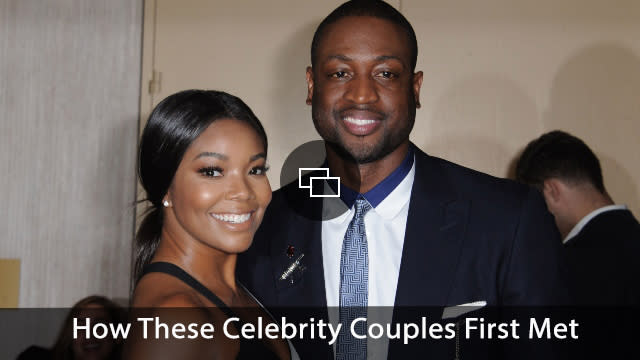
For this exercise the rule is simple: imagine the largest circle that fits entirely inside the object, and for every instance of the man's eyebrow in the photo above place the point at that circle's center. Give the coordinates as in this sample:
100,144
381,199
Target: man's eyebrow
258,156
388,57
339,57
378,58
212,154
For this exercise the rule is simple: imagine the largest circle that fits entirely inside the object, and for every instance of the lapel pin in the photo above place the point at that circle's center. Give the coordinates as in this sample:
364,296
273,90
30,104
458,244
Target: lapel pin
290,251
295,265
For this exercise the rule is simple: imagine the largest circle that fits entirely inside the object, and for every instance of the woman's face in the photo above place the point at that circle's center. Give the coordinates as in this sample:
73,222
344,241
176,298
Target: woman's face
92,348
220,190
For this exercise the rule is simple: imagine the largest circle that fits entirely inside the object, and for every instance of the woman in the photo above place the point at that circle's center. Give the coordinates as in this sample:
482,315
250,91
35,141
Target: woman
202,163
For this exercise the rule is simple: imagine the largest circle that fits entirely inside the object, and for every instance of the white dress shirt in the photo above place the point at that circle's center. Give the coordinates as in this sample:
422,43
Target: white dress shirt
385,228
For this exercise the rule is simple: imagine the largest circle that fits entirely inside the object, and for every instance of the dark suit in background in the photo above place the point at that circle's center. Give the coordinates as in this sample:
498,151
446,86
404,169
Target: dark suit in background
605,281
604,260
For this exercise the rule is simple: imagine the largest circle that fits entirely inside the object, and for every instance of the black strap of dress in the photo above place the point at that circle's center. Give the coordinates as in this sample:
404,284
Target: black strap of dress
175,270
249,348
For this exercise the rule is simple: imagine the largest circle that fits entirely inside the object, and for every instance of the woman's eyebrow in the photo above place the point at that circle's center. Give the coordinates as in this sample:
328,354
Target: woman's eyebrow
258,156
212,154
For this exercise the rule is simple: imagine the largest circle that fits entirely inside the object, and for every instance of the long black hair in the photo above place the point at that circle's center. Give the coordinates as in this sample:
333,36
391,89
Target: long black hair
172,126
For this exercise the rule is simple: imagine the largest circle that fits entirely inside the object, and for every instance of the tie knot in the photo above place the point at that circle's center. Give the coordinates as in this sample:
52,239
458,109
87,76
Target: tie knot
362,206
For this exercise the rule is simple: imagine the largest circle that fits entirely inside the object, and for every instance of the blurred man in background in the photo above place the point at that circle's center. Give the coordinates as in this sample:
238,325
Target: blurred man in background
602,239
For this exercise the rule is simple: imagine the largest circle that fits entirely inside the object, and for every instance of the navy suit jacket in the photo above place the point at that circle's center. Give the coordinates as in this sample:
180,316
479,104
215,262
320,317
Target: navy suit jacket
469,237
604,272
603,260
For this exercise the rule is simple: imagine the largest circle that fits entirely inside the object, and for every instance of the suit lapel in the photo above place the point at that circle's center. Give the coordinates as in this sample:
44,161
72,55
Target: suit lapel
433,237
302,294
302,287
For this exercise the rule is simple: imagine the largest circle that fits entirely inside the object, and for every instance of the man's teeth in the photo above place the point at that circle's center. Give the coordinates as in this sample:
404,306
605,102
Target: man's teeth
359,122
232,218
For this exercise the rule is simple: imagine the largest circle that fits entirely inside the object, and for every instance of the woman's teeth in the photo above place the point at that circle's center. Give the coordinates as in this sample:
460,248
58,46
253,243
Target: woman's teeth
232,218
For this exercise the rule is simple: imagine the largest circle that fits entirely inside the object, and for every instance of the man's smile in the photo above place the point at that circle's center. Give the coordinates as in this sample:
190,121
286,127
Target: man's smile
360,127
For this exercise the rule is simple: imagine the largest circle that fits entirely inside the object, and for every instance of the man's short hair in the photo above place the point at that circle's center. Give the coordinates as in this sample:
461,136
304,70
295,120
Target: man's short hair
558,154
374,8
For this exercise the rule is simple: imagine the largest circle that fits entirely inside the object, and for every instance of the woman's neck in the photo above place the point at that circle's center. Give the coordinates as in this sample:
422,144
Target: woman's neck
212,267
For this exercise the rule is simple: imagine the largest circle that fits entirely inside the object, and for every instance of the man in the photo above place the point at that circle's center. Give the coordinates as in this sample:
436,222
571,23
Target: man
420,231
602,240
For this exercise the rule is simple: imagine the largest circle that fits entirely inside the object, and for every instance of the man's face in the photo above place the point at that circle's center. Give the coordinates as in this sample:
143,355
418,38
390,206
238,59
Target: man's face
362,89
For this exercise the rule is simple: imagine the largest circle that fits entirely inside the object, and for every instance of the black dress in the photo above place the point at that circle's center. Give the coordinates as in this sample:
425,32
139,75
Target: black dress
249,348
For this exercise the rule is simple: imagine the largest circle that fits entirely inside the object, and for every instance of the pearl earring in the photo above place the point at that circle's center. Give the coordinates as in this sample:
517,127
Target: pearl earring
165,203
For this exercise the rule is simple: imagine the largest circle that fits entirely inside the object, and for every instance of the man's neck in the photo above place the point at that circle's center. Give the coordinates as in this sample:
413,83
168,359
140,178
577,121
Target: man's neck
582,201
364,177
590,201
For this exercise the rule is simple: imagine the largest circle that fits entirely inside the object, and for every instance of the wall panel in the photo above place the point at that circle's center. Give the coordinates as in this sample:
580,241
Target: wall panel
69,95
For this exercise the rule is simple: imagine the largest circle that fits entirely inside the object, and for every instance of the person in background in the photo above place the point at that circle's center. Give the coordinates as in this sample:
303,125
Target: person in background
97,309
602,239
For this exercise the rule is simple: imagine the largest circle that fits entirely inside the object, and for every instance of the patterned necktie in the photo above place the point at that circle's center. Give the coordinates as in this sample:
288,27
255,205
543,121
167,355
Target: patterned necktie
354,286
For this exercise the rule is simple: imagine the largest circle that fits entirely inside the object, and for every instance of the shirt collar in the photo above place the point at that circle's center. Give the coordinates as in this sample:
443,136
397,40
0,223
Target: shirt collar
392,205
382,190
581,224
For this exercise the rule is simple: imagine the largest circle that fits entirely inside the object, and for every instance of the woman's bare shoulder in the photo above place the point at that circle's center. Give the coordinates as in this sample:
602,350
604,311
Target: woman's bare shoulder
159,290
161,298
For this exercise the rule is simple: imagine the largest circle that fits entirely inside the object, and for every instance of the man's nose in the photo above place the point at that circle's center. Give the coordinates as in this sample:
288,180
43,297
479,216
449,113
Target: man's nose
362,90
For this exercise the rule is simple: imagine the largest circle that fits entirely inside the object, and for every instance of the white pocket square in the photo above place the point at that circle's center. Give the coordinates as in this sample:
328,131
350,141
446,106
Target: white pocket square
458,310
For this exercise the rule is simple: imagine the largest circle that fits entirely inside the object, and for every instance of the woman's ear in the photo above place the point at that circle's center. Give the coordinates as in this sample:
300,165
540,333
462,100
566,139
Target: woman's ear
166,202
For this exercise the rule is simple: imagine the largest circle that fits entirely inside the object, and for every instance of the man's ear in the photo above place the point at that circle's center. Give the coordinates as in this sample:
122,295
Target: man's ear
417,84
552,190
309,84
550,193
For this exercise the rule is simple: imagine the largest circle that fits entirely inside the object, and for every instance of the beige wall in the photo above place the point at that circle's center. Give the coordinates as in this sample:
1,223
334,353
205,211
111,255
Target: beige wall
498,73
69,90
